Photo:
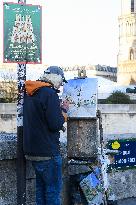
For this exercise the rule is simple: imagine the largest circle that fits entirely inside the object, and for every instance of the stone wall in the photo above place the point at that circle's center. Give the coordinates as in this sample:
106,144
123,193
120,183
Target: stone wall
8,147
116,119
8,117
8,179
118,122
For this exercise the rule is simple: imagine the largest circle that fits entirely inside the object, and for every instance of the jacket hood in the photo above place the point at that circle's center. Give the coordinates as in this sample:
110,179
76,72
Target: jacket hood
54,79
32,86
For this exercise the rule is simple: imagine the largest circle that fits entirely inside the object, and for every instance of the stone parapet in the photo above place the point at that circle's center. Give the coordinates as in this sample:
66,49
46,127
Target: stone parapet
8,144
118,123
8,108
8,180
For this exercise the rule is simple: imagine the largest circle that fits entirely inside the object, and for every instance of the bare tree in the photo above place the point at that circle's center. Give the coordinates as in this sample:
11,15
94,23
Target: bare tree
8,87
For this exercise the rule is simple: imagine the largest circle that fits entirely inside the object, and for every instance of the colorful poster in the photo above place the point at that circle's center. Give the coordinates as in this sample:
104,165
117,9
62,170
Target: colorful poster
22,33
82,97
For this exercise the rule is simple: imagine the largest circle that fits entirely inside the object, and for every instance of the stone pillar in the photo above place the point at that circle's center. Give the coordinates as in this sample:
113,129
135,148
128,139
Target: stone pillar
82,138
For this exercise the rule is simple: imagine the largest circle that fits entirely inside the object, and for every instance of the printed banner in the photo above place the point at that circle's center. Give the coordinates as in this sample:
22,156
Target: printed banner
82,97
22,33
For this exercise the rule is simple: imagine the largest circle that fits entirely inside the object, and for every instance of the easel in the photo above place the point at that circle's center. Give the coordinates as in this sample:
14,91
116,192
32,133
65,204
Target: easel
85,136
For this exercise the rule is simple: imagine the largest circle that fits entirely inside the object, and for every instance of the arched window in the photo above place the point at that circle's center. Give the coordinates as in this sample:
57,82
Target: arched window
132,6
131,54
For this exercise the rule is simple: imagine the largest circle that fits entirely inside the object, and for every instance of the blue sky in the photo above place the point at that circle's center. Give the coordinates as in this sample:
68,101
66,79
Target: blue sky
78,31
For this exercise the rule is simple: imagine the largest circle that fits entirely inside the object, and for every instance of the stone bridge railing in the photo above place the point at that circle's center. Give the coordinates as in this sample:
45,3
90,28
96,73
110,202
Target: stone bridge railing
118,123
8,179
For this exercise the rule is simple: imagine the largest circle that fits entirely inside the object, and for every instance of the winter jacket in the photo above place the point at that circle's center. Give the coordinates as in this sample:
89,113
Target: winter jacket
43,120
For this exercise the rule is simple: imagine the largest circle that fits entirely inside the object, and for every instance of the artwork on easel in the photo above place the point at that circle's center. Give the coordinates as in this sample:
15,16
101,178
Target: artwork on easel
81,93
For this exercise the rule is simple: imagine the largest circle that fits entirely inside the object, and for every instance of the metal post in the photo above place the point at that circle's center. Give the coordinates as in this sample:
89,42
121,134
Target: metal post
21,163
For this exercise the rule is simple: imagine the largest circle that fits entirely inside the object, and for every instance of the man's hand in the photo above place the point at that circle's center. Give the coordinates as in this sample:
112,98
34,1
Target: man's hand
65,105
65,115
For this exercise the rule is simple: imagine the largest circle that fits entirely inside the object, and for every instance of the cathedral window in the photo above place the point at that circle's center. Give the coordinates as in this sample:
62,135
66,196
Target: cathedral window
131,54
132,6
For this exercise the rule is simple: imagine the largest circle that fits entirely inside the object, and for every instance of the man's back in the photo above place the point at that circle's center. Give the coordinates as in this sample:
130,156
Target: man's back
42,121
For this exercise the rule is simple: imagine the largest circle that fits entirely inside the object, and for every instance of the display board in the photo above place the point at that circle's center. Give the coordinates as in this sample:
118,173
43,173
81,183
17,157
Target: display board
126,158
82,97
22,33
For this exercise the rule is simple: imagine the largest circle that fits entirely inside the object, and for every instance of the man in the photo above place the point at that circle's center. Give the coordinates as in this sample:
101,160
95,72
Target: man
43,119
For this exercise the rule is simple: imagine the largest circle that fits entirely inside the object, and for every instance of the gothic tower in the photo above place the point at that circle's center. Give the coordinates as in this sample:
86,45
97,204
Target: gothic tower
127,43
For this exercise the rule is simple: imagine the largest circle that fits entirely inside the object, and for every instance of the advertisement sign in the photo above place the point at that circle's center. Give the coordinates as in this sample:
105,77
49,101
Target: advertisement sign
82,97
22,33
126,158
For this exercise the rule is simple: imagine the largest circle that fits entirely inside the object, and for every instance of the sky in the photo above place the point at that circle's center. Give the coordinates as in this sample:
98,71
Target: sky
77,32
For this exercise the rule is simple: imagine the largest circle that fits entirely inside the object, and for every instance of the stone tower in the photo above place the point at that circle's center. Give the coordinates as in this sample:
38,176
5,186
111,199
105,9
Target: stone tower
127,43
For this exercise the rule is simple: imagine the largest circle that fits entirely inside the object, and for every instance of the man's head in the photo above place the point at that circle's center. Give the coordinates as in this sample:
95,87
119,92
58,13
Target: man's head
54,75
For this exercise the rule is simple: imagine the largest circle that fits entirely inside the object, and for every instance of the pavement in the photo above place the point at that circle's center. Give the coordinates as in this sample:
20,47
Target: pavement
129,201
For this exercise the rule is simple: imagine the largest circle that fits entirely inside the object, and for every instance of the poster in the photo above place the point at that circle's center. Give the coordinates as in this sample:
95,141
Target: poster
22,33
82,97
126,157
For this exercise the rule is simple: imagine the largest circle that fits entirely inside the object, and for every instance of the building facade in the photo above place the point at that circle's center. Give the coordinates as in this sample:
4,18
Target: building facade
104,71
127,43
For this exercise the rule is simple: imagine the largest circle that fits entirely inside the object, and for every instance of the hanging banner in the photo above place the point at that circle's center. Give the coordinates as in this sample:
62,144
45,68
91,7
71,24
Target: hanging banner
82,97
22,33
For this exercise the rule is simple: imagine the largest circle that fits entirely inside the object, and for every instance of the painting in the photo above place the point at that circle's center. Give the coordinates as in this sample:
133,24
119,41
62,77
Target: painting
81,93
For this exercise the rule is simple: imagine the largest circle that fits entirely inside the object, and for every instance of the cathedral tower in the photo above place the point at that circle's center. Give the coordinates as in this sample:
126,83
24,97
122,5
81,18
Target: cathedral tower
127,43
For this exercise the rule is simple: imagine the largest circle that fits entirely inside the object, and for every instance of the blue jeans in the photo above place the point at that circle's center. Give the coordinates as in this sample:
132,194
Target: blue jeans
48,181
